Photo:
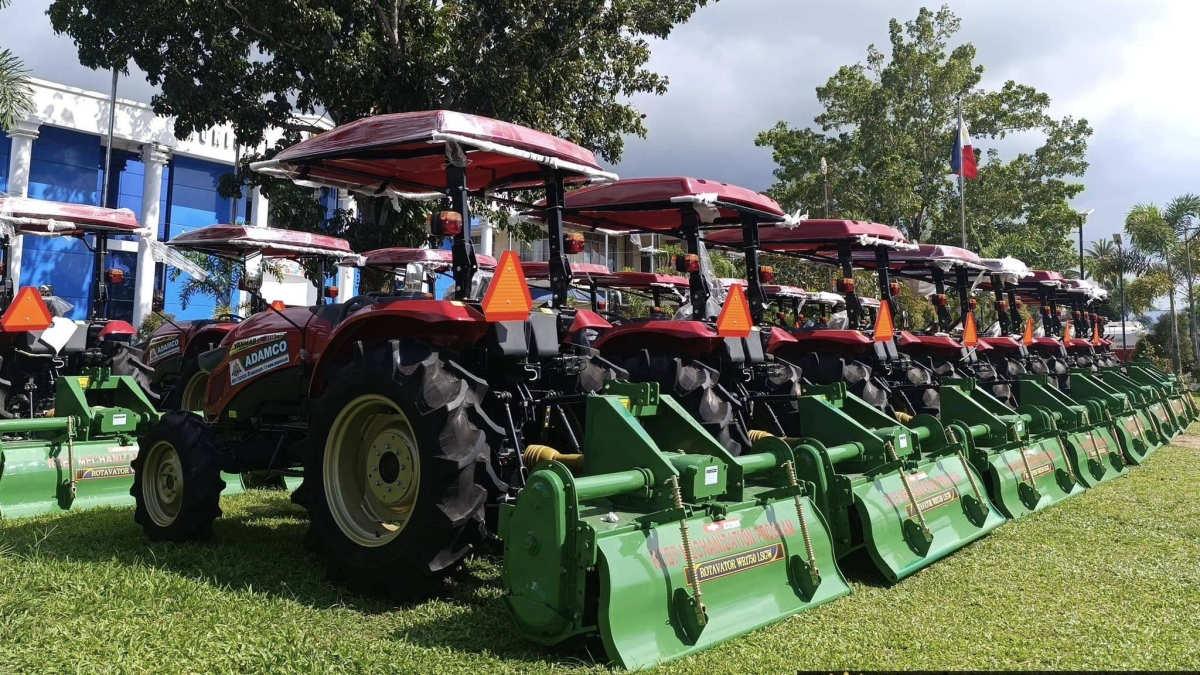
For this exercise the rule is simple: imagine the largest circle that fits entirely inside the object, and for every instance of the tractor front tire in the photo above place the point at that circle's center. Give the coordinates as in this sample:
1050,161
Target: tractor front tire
390,470
177,480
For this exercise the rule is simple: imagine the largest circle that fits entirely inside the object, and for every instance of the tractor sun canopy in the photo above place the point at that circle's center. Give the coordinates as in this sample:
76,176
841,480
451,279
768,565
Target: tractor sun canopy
237,241
40,217
438,259
404,156
659,204
815,236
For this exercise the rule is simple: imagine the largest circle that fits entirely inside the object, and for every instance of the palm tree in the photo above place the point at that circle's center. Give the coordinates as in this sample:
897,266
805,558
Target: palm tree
1156,233
16,96
1103,261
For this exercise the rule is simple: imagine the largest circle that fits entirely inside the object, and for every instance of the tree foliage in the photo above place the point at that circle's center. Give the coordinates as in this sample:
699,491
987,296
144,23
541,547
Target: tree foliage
16,96
887,130
569,67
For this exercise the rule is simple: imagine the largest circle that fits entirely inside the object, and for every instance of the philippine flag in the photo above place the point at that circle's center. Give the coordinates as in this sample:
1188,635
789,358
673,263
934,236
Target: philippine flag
962,162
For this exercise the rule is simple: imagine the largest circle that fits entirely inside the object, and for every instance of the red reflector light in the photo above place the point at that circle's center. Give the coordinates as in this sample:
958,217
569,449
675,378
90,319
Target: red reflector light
445,223
894,287
845,285
573,243
689,263
331,291
278,306
972,304
1020,304
939,299
766,274
115,277
1003,305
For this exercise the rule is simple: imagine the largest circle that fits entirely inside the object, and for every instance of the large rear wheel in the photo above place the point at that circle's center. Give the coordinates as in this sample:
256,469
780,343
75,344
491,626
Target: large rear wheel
697,388
177,480
390,466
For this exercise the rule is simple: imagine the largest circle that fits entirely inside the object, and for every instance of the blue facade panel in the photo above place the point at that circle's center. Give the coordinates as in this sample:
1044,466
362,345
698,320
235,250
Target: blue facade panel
195,203
65,167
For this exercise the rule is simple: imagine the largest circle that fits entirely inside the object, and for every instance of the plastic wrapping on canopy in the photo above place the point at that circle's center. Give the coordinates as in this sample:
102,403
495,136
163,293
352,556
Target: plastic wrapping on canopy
437,258
817,235
658,204
917,259
22,215
770,290
1087,288
38,217
540,269
404,155
1009,268
237,240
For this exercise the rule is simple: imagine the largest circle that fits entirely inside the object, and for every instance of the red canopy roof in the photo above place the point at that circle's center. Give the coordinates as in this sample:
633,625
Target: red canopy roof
540,269
643,280
812,235
771,290
40,216
923,258
268,241
435,257
656,203
405,153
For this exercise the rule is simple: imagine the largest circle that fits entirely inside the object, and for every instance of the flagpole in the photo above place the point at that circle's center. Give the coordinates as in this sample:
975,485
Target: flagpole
962,186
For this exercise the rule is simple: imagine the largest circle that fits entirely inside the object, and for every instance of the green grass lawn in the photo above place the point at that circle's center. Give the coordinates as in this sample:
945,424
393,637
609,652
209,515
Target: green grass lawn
1109,580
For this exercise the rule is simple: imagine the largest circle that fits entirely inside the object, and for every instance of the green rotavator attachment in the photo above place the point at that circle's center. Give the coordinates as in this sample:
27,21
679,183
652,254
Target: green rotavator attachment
80,457
658,539
1174,408
1084,427
904,492
1142,398
1137,441
1019,452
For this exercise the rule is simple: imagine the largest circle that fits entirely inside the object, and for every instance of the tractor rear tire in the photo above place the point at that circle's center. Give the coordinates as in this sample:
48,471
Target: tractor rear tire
177,480
124,362
697,388
390,470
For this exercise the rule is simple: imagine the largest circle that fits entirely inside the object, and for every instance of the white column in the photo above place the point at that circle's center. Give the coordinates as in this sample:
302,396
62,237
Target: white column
345,276
259,206
155,157
23,136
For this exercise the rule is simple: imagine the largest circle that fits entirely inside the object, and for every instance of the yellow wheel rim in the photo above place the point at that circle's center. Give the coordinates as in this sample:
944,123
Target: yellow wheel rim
372,470
162,484
194,392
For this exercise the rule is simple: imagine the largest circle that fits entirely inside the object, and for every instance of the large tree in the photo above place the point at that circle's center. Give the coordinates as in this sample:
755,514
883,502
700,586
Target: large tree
16,97
568,67
886,133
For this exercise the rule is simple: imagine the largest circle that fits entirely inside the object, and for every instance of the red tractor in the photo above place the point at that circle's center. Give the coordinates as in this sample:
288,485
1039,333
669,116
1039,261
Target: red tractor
406,415
173,349
31,361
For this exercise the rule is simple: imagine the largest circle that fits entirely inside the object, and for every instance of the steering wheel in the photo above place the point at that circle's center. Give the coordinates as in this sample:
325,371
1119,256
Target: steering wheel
227,318
352,304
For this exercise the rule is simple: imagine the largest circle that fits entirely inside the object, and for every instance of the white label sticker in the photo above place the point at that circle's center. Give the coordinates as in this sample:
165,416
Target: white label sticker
710,475
119,419
903,441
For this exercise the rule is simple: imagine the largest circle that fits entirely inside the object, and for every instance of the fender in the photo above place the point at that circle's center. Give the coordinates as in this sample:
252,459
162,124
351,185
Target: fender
1004,344
941,346
448,323
847,343
693,338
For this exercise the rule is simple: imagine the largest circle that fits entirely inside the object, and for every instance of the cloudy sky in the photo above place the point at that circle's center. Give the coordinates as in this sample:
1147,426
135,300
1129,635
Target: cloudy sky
741,65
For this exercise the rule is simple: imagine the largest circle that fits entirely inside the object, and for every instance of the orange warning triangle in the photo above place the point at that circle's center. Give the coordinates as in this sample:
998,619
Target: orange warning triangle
970,335
735,315
1096,335
1067,333
885,328
507,297
27,312
1028,337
